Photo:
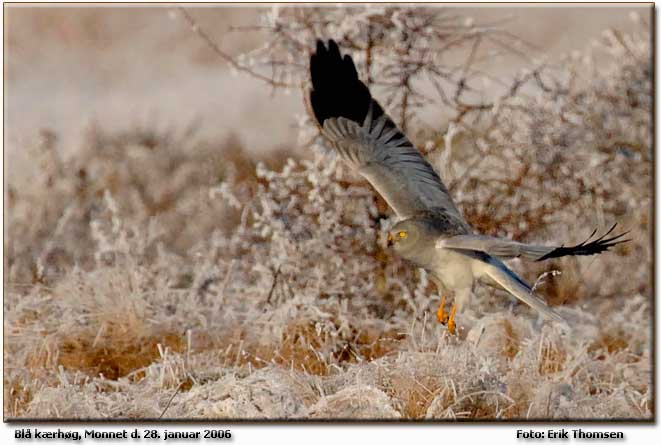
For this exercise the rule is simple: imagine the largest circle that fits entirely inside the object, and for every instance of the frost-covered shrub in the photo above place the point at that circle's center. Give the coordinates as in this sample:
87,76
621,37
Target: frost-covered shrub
411,57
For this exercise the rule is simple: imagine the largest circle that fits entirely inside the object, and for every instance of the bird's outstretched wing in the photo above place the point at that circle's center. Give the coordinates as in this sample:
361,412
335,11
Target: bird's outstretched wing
365,137
506,249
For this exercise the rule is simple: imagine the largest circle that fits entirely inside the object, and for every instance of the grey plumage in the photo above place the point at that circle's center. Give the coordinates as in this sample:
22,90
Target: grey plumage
432,232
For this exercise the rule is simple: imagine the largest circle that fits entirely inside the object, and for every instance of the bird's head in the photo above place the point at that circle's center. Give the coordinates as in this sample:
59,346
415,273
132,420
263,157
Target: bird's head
404,236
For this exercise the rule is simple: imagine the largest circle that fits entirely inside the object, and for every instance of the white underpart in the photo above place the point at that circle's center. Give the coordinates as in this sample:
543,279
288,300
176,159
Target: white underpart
458,273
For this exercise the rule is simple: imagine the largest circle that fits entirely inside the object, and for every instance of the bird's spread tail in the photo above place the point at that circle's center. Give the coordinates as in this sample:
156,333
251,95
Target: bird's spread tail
502,275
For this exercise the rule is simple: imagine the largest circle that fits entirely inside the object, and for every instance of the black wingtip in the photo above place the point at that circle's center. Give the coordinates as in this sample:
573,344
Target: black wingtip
599,245
336,89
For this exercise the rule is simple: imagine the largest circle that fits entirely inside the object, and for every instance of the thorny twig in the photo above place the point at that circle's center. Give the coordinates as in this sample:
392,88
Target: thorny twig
223,55
276,274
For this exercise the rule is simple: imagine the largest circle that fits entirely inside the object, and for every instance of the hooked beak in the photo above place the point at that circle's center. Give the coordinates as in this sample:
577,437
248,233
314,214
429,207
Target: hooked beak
390,240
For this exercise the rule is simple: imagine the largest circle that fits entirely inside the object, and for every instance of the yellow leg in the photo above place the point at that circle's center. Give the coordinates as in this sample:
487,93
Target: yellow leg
441,315
452,326
446,319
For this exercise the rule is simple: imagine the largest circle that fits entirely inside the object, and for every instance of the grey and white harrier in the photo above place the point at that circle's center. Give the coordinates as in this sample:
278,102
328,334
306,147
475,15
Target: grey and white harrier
431,231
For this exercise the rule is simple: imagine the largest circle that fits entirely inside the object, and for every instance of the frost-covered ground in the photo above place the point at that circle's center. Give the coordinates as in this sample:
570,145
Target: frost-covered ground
163,269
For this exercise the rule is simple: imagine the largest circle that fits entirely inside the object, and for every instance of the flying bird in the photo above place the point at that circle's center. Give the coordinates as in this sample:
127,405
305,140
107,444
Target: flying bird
431,232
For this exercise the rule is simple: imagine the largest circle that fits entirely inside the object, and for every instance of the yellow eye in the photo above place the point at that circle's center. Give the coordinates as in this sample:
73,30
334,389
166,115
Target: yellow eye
402,235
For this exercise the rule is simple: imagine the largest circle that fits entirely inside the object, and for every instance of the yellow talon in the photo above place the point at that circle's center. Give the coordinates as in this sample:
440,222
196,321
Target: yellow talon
446,319
452,326
441,316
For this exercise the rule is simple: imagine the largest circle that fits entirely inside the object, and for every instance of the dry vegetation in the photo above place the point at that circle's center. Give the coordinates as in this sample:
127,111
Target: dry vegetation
160,273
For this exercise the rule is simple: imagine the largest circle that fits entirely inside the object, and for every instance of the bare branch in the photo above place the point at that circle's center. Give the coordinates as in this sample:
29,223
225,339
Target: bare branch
223,55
